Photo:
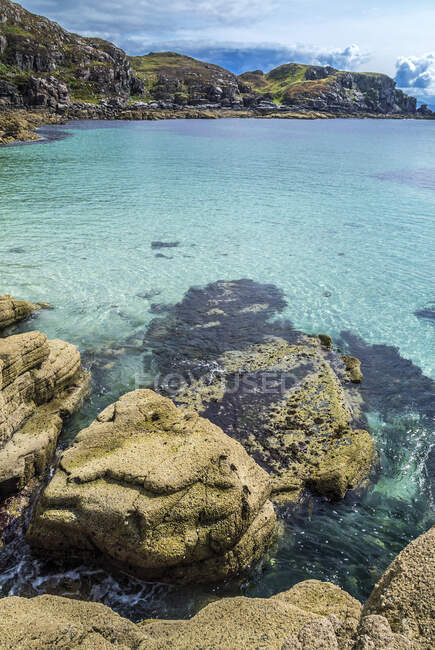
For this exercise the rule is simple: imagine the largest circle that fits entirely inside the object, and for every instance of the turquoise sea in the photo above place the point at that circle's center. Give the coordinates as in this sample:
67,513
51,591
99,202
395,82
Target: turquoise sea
339,215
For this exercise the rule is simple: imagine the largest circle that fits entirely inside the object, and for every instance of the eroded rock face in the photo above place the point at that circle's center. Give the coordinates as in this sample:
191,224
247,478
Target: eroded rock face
12,310
40,382
160,491
405,595
289,398
374,633
304,617
270,623
312,615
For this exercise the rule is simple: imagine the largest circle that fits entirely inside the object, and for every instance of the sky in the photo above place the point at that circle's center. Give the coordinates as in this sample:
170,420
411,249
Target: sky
391,36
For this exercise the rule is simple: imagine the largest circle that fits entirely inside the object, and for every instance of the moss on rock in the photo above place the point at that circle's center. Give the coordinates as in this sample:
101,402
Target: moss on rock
405,595
160,491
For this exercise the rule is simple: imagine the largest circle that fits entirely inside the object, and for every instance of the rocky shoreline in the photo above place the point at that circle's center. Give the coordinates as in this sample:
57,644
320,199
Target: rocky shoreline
312,615
52,74
21,126
159,491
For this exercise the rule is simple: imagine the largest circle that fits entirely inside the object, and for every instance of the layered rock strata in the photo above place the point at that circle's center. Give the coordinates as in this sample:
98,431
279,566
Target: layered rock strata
41,382
159,491
12,310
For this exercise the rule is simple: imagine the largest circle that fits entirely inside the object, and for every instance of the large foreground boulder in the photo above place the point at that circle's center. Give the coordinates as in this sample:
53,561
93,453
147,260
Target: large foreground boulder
405,594
160,491
12,310
40,383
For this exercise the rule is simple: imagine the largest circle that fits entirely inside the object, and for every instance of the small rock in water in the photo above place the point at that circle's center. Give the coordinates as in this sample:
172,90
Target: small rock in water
426,313
147,295
327,294
165,244
16,250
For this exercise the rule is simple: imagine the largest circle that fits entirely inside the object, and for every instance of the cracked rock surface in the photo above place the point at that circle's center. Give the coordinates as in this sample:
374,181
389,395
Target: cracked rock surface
160,491
41,382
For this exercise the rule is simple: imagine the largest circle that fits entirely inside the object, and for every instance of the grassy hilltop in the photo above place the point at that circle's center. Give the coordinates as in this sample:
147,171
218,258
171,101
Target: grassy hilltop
44,66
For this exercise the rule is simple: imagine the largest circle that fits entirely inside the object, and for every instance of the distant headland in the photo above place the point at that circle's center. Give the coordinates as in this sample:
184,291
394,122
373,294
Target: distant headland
45,69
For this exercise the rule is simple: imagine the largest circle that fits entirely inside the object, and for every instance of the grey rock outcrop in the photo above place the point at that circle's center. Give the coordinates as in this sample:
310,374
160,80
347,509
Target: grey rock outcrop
43,63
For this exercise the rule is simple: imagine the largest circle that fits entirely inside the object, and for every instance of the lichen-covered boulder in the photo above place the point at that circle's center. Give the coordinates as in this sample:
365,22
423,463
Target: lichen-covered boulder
374,633
12,310
326,599
307,617
55,622
405,595
275,623
40,383
160,491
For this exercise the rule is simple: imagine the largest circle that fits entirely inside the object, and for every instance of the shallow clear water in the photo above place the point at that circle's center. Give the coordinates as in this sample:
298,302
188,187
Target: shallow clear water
338,214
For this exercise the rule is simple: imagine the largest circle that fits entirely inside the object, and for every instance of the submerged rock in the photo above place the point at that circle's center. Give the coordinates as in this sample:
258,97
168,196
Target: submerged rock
161,492
40,383
287,406
405,595
12,310
287,397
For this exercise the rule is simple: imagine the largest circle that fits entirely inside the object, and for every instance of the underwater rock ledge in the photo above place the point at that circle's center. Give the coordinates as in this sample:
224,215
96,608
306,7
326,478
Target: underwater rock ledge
289,398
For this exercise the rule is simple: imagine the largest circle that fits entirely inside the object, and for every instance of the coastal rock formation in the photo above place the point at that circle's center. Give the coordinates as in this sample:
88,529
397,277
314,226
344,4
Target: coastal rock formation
181,80
56,622
40,383
287,621
307,87
405,595
44,66
374,633
11,310
289,398
160,491
19,126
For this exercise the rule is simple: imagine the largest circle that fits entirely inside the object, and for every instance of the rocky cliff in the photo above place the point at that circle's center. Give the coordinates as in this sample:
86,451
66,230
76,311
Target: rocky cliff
176,79
325,89
44,66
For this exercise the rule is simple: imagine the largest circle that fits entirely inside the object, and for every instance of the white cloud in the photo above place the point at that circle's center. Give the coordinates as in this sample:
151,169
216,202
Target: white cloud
416,74
416,71
241,57
123,16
